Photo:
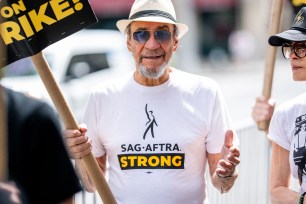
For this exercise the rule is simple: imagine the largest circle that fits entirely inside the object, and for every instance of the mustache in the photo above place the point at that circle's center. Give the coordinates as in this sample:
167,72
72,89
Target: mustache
153,53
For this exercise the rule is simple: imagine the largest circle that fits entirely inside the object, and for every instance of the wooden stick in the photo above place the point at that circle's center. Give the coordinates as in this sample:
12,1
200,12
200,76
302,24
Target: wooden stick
3,139
70,123
3,126
277,6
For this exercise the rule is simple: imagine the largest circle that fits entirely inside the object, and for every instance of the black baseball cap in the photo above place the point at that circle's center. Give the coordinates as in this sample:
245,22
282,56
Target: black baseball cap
297,32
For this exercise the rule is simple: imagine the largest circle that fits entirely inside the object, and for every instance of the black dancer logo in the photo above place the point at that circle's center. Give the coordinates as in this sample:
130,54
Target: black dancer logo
299,152
150,123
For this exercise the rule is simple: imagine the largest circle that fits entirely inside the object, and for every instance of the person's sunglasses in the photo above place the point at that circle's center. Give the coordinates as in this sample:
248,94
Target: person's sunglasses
299,49
142,36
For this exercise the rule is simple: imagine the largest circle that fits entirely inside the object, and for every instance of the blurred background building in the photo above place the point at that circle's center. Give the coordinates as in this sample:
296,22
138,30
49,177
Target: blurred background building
221,31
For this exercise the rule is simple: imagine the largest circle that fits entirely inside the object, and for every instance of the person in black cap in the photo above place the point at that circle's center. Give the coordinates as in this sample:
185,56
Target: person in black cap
287,130
167,163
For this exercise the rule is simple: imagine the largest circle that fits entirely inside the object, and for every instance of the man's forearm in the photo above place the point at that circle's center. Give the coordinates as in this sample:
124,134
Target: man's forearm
84,176
224,184
67,201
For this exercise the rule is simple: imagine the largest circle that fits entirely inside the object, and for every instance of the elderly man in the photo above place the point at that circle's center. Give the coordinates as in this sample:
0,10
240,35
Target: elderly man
158,126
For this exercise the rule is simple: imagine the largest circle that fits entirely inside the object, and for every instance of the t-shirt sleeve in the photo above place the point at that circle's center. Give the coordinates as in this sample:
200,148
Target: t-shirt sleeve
90,118
220,123
277,128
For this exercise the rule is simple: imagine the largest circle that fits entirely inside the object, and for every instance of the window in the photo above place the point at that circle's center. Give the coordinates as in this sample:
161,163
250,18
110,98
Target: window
81,65
22,67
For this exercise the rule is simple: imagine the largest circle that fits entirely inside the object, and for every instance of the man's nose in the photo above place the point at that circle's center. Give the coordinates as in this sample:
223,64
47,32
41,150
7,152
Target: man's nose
152,43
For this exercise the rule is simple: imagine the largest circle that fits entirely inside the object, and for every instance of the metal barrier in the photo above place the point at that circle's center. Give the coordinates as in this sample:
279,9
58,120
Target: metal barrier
87,198
252,185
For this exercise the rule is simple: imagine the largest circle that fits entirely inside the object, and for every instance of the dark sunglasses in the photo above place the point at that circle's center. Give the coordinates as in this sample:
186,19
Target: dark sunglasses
299,49
142,36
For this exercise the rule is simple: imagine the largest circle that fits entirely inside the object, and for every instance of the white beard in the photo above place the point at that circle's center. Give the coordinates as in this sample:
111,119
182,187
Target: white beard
153,73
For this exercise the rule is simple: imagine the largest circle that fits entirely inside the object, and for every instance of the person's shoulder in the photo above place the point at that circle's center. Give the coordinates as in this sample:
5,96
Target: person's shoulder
296,102
19,97
26,105
194,79
112,84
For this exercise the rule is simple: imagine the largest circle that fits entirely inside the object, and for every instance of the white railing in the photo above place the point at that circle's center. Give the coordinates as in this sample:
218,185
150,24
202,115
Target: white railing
252,185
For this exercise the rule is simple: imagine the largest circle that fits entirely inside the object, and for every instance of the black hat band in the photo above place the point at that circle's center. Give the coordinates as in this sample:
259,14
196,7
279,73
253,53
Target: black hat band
147,13
299,29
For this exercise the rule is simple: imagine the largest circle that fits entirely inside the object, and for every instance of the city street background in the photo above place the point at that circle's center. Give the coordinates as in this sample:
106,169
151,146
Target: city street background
241,83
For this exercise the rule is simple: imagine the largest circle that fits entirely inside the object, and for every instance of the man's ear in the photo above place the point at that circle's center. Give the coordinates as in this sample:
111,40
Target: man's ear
128,44
175,41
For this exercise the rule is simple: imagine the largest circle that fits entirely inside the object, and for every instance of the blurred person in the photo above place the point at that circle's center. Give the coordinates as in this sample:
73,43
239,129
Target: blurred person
38,162
288,122
9,193
158,126
242,45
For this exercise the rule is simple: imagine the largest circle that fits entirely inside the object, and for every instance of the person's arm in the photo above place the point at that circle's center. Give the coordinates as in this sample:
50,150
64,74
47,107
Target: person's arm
67,201
222,166
263,110
84,176
79,146
280,177
9,193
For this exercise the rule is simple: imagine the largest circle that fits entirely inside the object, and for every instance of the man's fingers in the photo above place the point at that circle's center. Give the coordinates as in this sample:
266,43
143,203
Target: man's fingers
80,155
81,147
225,168
75,133
228,140
77,141
78,151
72,133
230,156
83,127
235,151
233,160
72,141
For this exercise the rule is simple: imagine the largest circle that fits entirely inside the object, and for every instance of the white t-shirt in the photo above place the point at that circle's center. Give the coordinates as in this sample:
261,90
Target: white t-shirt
288,130
156,138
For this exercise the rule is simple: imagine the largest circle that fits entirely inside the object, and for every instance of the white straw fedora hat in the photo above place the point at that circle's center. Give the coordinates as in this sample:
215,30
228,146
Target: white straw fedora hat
161,11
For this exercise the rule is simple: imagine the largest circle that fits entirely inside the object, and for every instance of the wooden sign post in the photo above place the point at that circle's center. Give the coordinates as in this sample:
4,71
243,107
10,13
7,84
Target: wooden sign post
3,129
276,11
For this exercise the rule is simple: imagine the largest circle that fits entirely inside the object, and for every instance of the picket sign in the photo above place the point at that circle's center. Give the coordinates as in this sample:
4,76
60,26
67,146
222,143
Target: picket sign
276,11
26,28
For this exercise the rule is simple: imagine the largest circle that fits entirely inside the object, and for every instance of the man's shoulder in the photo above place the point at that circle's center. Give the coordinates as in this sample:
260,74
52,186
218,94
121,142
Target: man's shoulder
113,84
192,79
